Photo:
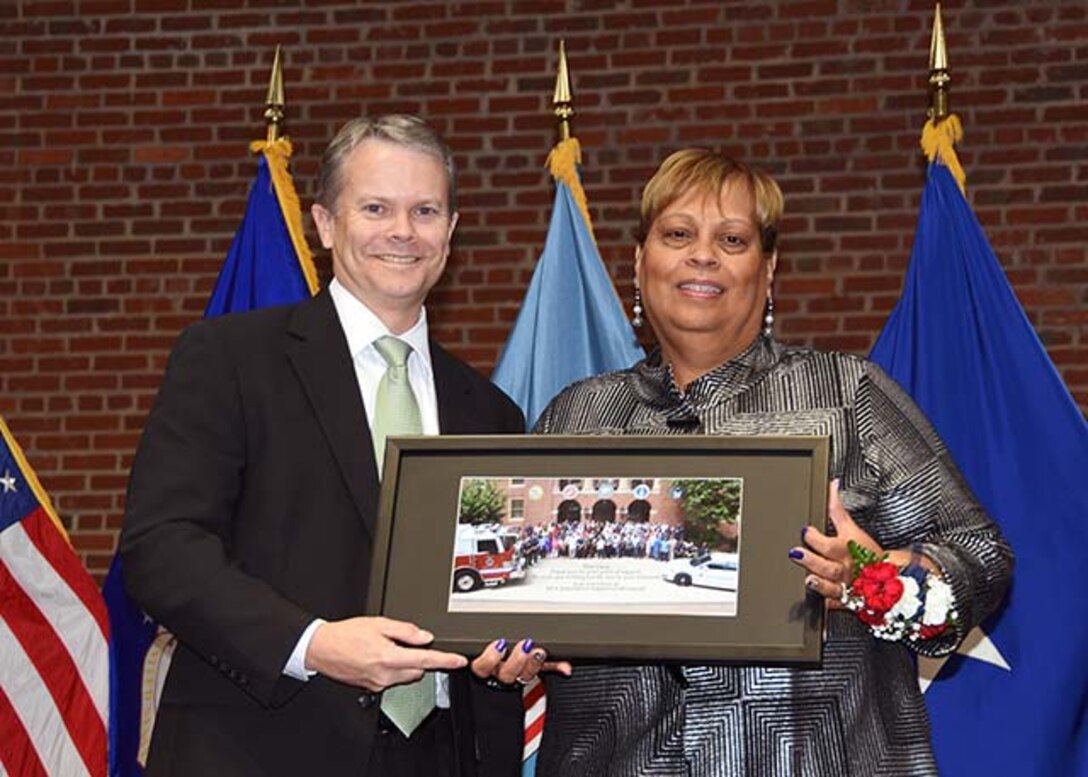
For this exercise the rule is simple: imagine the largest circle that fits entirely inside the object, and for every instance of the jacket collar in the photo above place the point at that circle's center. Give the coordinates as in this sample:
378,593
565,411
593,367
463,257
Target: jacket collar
318,351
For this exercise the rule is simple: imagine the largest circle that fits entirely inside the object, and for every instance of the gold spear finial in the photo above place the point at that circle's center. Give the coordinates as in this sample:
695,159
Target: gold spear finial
562,99
938,70
273,114
943,129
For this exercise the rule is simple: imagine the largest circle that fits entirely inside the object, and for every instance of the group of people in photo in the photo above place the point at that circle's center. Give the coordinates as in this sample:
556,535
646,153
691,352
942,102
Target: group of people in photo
590,538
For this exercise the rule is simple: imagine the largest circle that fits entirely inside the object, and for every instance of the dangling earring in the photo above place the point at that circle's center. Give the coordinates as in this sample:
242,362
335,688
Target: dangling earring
636,320
768,318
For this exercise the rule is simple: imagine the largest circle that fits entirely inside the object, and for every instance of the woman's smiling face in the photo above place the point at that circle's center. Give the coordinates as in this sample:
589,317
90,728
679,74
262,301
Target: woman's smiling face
703,274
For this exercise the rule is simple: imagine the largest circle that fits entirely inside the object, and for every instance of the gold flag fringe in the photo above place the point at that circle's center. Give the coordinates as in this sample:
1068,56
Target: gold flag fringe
562,161
938,143
157,662
277,152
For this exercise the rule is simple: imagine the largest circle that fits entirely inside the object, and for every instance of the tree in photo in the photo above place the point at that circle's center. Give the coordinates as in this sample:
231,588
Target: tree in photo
711,512
482,502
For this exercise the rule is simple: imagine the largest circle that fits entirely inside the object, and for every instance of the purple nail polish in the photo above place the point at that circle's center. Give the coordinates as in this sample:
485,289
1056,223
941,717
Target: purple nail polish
527,646
796,554
501,646
804,530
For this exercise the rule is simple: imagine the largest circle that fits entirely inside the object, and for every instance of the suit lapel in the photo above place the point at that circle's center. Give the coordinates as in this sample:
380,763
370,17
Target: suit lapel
452,390
318,351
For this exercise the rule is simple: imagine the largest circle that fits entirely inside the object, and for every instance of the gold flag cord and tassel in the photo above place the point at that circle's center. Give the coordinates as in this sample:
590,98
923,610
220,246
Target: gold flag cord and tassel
563,161
943,130
277,152
939,137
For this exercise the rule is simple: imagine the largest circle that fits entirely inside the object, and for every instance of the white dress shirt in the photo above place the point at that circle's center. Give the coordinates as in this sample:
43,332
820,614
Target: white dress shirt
361,328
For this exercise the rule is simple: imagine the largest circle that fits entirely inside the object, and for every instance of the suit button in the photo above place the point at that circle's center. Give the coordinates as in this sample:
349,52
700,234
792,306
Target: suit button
368,699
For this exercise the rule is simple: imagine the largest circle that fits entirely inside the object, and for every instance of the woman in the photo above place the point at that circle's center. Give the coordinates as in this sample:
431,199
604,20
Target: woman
704,266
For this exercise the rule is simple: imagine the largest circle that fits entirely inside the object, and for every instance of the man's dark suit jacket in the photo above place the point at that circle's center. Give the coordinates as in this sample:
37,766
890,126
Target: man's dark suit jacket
251,510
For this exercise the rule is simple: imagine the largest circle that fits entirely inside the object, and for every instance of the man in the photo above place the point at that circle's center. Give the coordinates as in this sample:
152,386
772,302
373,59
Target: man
252,502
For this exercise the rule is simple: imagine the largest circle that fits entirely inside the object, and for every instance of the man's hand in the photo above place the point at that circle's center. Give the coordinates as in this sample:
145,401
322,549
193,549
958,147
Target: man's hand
375,653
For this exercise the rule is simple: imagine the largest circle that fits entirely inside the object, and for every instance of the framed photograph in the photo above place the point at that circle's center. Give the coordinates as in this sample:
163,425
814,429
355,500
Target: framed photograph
606,548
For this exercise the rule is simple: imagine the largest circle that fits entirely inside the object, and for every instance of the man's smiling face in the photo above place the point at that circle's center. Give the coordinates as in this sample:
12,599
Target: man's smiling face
390,229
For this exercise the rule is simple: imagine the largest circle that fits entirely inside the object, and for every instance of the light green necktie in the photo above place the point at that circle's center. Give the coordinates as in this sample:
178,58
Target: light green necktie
395,409
397,412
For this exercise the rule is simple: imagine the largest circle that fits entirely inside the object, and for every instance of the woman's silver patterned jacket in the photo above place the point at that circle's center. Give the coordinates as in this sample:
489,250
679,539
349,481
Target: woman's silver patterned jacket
861,713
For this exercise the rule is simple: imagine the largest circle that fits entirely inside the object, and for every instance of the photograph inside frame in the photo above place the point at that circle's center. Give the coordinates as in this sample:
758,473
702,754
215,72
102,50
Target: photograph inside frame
609,545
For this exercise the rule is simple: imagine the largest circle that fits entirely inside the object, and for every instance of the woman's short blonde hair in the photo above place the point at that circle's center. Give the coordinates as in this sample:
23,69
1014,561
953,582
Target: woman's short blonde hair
708,171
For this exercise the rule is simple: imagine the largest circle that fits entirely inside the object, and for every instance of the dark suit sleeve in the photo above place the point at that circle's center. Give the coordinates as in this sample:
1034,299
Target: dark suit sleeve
497,720
183,495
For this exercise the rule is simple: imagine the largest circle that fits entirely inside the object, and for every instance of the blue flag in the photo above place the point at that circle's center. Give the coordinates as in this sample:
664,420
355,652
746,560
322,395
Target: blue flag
571,324
131,636
265,265
268,263
1014,699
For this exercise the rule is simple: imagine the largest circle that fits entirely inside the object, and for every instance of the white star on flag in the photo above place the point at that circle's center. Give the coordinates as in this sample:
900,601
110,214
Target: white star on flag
976,645
8,482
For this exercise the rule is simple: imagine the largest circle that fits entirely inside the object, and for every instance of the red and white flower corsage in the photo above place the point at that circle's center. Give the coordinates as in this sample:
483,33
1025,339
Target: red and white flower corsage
898,604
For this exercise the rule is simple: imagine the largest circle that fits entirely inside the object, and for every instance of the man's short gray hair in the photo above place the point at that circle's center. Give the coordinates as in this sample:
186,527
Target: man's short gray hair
399,128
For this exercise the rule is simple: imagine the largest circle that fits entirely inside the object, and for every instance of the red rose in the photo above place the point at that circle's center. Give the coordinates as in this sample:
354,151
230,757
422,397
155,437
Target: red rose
881,571
880,587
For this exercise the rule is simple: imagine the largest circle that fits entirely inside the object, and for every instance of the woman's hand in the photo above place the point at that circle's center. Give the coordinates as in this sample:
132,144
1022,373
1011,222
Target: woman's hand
828,558
504,667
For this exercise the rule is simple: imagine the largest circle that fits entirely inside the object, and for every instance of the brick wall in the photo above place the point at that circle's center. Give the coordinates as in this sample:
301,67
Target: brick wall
124,126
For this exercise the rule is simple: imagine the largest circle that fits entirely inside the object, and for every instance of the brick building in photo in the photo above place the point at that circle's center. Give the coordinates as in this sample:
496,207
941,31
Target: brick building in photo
540,501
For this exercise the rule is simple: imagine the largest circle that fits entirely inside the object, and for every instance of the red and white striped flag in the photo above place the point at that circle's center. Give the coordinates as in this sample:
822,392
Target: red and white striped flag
54,637
535,702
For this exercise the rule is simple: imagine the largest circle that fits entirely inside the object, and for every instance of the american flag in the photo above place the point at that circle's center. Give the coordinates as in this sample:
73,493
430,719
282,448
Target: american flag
54,635
534,701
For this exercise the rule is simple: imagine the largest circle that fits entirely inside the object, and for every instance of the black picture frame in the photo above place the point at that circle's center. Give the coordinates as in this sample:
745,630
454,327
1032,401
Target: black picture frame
777,621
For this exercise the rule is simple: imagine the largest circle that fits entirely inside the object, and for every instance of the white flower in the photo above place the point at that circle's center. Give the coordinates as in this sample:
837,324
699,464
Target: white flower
909,602
938,601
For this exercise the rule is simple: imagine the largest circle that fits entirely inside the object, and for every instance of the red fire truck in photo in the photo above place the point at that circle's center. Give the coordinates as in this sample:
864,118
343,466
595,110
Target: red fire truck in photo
481,558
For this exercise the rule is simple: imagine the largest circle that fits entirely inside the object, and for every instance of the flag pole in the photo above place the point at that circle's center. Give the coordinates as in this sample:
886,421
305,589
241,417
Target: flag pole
571,324
943,129
561,164
561,100
275,102
277,150
566,155
939,77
